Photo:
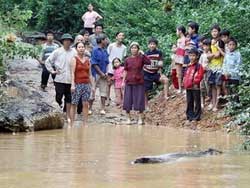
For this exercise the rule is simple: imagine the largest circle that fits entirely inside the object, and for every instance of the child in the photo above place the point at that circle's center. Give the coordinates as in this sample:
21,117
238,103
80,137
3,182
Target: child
153,72
118,77
134,94
174,77
224,36
203,61
191,81
200,43
215,65
179,54
193,29
231,65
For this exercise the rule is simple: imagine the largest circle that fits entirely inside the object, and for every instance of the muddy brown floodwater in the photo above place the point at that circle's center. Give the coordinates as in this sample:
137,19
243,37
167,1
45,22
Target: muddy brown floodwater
100,156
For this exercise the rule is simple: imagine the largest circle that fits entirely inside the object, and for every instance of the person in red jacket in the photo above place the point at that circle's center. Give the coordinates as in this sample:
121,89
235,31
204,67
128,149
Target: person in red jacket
192,79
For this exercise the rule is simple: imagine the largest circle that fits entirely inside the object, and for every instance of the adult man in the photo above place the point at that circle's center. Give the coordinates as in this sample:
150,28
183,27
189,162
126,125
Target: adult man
98,32
60,59
99,61
115,50
48,48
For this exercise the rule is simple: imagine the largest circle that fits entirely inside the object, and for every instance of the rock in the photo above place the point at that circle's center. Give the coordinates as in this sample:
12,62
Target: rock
23,107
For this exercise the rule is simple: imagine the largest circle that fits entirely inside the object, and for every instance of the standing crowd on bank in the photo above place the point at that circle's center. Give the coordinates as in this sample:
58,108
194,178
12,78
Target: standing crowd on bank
202,68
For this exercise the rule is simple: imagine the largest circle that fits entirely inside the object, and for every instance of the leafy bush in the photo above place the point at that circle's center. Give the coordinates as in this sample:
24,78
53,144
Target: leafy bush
11,22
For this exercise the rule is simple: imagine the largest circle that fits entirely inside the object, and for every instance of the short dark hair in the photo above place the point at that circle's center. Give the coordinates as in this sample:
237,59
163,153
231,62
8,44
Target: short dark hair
194,51
232,39
99,25
195,26
153,40
113,62
182,29
225,32
206,42
216,26
83,32
117,33
100,38
201,38
49,32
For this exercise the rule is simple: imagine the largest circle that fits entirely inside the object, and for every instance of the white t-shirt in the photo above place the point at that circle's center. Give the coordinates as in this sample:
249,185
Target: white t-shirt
61,60
204,60
115,51
89,19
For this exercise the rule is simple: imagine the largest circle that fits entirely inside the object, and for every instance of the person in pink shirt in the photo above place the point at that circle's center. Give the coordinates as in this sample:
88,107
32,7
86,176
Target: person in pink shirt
118,79
89,19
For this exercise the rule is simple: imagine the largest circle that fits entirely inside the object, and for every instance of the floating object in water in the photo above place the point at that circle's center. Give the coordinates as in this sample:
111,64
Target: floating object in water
175,156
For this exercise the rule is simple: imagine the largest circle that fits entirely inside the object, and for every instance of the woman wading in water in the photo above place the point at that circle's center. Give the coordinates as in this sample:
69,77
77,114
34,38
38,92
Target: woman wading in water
82,82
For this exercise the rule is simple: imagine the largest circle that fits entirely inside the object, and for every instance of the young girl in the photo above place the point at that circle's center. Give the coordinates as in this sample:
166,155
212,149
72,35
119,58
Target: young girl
134,95
81,82
118,77
179,54
215,78
203,61
174,77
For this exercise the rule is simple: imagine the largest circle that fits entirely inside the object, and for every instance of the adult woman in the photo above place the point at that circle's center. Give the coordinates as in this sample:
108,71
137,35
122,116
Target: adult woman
81,82
134,95
89,18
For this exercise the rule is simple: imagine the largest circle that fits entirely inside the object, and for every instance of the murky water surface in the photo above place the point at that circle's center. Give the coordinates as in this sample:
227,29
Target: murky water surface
100,156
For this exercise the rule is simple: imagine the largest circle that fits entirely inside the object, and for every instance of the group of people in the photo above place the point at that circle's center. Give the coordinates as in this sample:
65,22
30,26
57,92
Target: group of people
203,67
206,67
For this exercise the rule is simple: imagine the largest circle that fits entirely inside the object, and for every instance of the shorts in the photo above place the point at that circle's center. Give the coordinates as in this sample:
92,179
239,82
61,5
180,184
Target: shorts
232,82
63,90
178,59
150,79
214,78
102,84
82,92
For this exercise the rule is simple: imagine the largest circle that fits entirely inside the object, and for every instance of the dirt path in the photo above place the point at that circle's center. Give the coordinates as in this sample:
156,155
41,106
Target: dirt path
171,113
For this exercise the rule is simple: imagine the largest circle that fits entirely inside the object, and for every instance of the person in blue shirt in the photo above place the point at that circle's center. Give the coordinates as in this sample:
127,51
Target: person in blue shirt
99,61
193,29
231,65
192,40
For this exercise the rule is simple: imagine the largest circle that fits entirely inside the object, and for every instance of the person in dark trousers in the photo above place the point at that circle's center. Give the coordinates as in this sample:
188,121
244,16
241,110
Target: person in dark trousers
48,48
192,79
61,59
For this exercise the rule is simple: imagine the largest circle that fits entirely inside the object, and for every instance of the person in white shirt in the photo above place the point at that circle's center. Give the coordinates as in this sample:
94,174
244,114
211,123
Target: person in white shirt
90,18
115,50
59,63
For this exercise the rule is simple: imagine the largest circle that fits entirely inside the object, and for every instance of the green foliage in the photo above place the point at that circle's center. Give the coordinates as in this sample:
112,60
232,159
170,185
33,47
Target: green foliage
61,15
12,21
15,19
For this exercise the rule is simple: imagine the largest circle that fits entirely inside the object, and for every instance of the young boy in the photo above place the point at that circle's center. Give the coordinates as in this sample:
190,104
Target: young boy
152,72
192,80
231,65
192,40
193,29
204,61
224,36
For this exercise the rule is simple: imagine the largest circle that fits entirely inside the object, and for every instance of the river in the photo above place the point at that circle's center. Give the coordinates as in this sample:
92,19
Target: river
100,157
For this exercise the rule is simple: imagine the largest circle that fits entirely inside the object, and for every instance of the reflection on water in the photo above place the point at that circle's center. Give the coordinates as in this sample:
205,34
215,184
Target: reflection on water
100,156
